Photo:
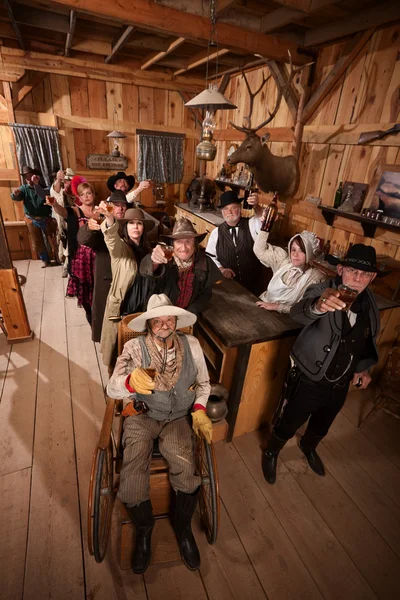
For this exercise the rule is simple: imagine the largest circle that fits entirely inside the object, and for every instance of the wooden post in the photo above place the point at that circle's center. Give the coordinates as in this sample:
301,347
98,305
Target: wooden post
12,305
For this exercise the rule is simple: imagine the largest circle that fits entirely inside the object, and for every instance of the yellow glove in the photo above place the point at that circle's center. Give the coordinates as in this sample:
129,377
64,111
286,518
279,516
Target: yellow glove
141,382
202,425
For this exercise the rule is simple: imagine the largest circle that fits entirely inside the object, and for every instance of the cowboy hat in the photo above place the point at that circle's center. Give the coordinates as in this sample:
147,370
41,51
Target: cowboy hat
120,175
26,170
160,305
361,257
184,229
69,174
136,214
229,198
118,196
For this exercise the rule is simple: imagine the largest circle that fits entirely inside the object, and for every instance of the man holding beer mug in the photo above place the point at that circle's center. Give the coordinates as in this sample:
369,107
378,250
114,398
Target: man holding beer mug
336,347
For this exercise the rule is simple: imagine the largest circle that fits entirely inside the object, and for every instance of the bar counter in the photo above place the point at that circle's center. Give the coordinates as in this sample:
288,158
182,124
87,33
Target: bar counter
247,350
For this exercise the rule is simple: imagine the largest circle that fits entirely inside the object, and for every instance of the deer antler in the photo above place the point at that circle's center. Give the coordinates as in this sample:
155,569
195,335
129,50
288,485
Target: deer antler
252,96
293,71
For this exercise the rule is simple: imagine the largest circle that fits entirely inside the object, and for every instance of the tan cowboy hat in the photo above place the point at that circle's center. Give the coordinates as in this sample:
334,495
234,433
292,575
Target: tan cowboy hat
136,214
160,305
69,174
183,229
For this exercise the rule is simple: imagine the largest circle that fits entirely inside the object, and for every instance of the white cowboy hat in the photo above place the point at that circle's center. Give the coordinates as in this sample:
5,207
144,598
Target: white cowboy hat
160,305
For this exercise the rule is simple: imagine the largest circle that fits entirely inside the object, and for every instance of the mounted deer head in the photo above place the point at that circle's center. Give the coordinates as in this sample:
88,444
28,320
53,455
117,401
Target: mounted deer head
272,173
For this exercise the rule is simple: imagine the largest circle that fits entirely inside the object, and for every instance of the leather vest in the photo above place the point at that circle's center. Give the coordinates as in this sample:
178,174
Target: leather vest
178,401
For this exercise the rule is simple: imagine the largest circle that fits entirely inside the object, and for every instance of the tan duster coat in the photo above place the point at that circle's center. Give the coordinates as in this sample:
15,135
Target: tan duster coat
124,269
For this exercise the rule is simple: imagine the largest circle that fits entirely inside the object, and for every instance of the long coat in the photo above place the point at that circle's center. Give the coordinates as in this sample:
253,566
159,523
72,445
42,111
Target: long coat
124,269
102,276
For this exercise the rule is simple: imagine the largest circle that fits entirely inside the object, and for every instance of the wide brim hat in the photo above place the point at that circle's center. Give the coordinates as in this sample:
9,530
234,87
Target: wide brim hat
229,197
136,214
182,230
26,170
111,181
118,196
361,257
69,174
160,305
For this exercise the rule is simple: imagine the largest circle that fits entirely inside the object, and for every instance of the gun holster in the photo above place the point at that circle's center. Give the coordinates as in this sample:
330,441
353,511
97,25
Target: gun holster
288,390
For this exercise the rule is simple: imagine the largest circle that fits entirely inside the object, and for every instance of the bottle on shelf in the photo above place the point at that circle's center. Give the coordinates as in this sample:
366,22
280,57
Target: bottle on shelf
270,214
249,190
338,196
326,249
222,174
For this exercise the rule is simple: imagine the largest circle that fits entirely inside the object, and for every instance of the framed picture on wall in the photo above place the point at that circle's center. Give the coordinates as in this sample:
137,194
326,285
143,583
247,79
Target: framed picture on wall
385,191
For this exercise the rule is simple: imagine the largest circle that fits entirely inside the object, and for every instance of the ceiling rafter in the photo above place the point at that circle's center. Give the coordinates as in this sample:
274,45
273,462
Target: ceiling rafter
70,34
26,89
202,58
14,24
157,56
120,42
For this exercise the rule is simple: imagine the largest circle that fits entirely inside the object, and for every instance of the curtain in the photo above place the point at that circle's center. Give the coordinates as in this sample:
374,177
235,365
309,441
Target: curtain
38,147
160,156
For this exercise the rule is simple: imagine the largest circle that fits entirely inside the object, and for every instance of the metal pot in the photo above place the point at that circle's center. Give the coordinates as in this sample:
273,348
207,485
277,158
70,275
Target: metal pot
217,407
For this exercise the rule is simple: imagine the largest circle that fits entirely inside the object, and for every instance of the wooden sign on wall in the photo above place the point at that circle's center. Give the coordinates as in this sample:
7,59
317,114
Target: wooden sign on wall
106,162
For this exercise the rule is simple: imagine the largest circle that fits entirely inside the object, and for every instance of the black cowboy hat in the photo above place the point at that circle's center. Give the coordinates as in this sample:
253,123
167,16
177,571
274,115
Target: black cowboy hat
229,198
361,257
26,170
118,196
111,181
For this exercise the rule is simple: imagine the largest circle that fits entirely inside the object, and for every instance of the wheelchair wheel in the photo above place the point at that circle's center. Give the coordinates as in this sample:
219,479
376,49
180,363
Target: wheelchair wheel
101,501
209,491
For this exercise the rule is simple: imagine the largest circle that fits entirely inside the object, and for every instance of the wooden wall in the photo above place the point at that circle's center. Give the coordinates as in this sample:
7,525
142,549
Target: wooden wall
366,97
84,111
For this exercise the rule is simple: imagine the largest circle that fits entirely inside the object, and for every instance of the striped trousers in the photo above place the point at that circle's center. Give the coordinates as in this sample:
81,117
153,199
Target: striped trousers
176,444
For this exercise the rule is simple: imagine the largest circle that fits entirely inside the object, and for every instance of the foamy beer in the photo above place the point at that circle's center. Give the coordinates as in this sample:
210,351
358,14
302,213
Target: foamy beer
110,207
347,295
50,199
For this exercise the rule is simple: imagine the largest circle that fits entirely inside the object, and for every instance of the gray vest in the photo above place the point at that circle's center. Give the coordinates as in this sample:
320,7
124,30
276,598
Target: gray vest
176,402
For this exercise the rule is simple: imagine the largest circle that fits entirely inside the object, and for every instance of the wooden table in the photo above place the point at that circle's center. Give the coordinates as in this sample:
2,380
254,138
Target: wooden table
247,350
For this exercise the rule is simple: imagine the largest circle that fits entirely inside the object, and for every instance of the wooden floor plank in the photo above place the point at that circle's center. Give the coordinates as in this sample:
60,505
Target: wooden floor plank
5,350
174,581
275,558
365,546
329,564
105,581
17,408
226,569
54,566
14,507
379,509
383,471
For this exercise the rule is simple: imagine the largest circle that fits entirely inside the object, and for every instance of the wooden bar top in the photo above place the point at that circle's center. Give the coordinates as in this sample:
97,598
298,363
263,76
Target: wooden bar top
215,218
235,318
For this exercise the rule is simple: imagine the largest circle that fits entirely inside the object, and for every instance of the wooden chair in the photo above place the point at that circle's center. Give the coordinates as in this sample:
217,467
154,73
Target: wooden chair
388,399
107,458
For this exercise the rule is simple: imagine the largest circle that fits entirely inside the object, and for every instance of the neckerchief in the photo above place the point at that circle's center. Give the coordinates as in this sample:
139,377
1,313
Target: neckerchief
167,373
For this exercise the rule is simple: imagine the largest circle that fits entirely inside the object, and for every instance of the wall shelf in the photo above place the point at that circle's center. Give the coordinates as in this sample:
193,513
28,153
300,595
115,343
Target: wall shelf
369,225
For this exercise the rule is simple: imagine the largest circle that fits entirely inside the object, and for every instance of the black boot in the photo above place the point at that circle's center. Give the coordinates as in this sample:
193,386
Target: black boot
270,457
142,516
308,444
185,505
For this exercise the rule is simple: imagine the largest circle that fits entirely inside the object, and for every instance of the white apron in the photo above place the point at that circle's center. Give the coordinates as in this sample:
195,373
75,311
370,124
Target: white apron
281,292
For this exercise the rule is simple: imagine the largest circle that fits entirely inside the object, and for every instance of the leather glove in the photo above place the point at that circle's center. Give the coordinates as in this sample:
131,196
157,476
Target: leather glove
128,411
141,382
202,425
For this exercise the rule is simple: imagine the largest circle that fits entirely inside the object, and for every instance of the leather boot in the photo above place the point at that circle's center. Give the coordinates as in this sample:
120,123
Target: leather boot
270,457
142,516
185,505
308,444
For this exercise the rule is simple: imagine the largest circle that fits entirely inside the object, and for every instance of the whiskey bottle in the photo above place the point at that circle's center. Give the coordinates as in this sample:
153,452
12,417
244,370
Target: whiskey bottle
338,196
269,214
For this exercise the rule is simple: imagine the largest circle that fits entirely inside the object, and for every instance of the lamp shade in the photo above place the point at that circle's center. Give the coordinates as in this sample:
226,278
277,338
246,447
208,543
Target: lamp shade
211,99
116,134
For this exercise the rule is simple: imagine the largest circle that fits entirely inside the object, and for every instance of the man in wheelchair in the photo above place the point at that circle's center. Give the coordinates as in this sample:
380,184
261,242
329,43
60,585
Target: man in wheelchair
162,377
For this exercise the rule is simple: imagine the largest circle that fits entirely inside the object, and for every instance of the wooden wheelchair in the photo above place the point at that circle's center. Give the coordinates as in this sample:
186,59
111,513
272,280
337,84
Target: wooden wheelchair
107,461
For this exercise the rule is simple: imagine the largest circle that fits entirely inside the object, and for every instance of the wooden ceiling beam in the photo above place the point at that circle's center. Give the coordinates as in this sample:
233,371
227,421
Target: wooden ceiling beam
26,89
157,56
14,24
193,27
223,5
43,19
119,43
287,14
202,58
352,49
305,6
70,34
13,59
380,14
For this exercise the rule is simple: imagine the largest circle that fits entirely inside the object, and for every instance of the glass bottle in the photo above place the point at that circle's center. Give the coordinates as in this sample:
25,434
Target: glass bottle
249,190
270,214
222,174
338,196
